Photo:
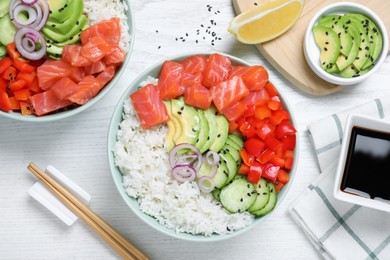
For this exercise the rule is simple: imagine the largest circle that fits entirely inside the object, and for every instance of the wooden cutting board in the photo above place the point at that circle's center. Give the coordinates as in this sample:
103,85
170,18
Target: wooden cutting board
285,53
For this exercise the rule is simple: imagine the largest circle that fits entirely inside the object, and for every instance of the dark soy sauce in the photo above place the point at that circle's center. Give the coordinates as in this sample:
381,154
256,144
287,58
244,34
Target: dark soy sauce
367,169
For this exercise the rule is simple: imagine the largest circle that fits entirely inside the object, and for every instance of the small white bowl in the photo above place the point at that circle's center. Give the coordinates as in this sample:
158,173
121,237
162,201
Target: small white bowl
312,52
361,136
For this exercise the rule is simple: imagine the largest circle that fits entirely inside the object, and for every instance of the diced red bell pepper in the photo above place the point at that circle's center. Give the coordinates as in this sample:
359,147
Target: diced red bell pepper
23,65
5,63
283,176
274,103
270,172
289,163
247,158
289,142
263,112
279,186
5,103
265,156
284,128
14,103
279,115
247,129
17,84
11,50
232,127
255,172
22,94
271,90
26,108
264,129
27,77
273,143
254,146
278,161
10,73
244,169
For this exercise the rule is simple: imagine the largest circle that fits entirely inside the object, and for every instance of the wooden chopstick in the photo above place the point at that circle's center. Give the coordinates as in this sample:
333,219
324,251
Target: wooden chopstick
101,227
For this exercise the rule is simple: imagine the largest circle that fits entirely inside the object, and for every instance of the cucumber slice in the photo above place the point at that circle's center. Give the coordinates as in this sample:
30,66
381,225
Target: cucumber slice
237,139
4,7
221,176
230,164
262,199
216,193
270,204
238,196
7,29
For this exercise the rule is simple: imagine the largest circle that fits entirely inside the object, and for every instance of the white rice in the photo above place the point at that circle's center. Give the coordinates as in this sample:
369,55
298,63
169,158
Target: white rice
98,10
141,157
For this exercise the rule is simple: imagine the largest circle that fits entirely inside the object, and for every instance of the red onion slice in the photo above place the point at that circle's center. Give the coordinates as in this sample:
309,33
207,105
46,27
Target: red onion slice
31,34
173,155
206,184
29,2
183,173
31,12
212,158
38,13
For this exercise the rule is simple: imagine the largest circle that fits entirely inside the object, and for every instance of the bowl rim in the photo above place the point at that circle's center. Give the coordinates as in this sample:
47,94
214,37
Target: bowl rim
116,119
366,122
68,113
339,7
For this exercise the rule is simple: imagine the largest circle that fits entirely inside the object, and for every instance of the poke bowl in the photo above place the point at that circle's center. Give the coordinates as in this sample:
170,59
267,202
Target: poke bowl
66,63
182,190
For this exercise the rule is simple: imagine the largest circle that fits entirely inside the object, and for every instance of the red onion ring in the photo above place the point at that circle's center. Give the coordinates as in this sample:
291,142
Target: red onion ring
38,13
183,173
29,2
212,158
206,184
23,46
32,15
177,148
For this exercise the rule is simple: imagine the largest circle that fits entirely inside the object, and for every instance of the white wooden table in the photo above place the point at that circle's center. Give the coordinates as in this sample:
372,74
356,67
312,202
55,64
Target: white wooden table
77,147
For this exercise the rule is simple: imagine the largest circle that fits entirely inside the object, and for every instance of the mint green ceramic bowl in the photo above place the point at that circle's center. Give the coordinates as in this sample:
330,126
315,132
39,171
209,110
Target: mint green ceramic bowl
100,95
117,176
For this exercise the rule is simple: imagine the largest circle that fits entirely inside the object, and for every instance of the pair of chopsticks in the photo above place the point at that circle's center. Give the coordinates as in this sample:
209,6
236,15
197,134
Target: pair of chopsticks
94,221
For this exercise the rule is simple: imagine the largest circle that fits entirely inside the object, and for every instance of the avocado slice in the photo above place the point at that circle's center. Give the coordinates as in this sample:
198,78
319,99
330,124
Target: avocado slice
237,139
4,7
344,61
188,119
222,131
364,47
329,44
345,38
203,131
61,10
77,7
212,123
72,32
374,38
172,128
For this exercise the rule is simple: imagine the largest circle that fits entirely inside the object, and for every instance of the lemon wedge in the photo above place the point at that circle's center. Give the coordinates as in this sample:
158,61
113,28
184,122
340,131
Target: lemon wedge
266,22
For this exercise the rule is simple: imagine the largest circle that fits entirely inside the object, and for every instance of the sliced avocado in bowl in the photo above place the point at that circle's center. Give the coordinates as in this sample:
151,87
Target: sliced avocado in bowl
60,10
73,31
329,44
77,7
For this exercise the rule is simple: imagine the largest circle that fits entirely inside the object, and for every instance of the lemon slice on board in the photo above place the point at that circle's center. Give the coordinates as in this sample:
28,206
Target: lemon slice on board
267,21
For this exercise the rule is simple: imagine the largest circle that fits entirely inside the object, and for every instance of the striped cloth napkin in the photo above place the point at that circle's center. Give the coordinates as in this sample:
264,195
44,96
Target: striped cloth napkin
341,230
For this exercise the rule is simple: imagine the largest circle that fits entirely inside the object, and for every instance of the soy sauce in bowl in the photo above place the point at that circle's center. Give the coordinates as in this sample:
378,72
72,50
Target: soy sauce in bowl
367,168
